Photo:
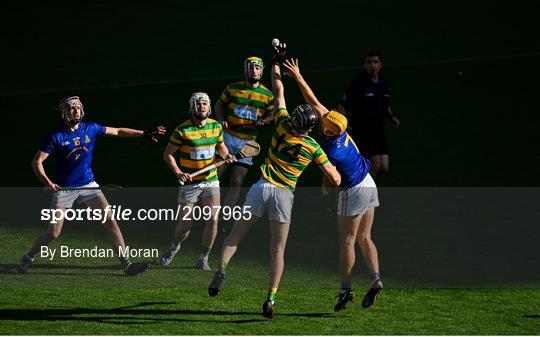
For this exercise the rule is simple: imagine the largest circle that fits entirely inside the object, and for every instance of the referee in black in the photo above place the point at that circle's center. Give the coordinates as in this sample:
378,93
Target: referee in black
366,103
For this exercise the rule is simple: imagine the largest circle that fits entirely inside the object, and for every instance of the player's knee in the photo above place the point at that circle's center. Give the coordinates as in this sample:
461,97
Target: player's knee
364,239
231,241
110,225
213,223
236,181
54,233
277,249
182,231
348,241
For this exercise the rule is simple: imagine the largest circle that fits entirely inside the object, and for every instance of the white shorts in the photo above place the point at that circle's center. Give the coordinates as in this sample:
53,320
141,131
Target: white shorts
66,198
358,199
263,196
234,145
190,193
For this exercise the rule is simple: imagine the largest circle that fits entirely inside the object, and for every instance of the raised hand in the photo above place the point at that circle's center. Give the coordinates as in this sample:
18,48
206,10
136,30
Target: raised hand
153,133
279,53
292,68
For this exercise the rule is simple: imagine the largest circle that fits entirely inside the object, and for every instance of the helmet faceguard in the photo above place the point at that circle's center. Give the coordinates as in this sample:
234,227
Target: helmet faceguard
333,124
65,107
196,112
250,63
304,118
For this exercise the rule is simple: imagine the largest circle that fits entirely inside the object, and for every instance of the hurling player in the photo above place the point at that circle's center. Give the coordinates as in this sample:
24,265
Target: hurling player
290,152
196,140
357,196
242,108
72,146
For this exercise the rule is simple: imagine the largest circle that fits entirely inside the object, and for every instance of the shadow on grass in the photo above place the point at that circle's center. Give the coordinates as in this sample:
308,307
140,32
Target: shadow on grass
532,316
134,315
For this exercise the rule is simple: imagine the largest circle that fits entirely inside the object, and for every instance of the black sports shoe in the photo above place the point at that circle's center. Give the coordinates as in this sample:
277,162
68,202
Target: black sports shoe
219,276
343,299
371,295
132,269
268,311
24,264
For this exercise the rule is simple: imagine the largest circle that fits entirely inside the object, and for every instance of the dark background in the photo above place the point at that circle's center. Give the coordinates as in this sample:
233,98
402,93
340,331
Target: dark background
135,64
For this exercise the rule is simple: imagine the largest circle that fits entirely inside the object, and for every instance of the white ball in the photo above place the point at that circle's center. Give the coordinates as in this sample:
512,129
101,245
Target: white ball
275,42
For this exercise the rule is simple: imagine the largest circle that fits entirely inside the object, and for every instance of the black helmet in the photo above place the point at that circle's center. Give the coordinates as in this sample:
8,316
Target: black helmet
304,118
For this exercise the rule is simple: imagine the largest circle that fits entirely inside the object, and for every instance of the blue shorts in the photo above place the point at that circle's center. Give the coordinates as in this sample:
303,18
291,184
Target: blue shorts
234,145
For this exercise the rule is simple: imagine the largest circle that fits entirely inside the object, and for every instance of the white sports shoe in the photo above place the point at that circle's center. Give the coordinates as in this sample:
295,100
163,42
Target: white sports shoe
203,265
168,256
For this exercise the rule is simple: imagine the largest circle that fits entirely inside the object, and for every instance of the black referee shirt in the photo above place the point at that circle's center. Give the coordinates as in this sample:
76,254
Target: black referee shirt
367,102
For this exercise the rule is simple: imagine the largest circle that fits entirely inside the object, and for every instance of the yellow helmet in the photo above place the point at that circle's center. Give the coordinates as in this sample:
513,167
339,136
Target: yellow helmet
333,124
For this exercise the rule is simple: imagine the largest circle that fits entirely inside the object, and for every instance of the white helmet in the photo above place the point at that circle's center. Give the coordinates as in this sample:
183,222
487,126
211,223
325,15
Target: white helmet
199,96
63,106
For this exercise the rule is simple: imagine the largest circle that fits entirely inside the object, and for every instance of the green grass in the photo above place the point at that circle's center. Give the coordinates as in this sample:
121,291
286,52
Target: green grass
189,311
84,296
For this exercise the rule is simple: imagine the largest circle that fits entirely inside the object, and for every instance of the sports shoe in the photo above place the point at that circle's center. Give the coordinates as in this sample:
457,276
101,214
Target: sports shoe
219,276
268,310
203,265
167,257
371,295
343,299
24,264
132,269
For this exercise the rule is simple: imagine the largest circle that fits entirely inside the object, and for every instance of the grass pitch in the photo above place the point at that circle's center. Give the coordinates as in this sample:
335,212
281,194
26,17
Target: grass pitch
91,296
189,311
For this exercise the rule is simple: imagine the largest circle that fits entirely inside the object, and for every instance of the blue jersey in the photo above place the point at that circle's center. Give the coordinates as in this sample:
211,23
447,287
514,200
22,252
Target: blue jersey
73,151
345,156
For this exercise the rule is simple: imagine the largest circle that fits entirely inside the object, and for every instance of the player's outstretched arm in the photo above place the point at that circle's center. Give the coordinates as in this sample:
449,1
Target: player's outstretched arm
332,175
39,170
168,157
277,87
277,84
150,134
293,70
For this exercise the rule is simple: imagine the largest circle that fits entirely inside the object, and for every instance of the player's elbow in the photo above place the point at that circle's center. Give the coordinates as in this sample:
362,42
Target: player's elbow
35,163
166,157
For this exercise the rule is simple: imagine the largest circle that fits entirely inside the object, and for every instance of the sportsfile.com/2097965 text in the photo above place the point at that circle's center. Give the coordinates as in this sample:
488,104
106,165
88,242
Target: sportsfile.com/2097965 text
121,213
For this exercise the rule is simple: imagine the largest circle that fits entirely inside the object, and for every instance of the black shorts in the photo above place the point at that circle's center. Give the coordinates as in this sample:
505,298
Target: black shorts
371,143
